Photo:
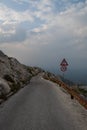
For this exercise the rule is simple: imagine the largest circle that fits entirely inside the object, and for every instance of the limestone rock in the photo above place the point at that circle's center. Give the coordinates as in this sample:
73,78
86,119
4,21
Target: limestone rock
4,87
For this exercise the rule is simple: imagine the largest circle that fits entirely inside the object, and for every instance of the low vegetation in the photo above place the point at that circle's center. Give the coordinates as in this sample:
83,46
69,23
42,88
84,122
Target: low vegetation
82,91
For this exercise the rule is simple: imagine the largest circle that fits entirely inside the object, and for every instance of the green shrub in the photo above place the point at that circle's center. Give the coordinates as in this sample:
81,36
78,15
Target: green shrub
15,87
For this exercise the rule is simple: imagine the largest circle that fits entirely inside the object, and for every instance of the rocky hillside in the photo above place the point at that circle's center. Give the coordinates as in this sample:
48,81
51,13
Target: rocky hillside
14,75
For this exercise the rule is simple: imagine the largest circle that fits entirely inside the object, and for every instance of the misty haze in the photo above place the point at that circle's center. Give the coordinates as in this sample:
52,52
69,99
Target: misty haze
43,32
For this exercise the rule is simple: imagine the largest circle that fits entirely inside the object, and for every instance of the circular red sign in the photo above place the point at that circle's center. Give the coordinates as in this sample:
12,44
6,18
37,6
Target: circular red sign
63,68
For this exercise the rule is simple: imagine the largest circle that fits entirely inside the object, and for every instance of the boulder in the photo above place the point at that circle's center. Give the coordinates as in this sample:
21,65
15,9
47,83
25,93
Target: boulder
4,87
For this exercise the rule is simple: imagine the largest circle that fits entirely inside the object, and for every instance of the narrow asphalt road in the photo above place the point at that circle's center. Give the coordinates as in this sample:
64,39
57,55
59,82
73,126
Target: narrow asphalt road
37,107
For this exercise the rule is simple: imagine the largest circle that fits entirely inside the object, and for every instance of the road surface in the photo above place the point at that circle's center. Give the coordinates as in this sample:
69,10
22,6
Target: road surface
39,106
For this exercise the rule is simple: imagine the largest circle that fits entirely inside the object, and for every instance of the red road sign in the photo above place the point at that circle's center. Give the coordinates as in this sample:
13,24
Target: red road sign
63,68
64,63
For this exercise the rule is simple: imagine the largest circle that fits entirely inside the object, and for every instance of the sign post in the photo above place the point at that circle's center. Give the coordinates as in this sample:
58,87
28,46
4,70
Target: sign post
63,65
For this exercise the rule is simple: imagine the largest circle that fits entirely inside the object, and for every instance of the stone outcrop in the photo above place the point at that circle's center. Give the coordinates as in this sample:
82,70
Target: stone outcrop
4,88
14,75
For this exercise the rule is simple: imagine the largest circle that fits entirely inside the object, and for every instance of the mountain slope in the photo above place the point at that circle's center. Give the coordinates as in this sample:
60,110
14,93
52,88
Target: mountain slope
13,75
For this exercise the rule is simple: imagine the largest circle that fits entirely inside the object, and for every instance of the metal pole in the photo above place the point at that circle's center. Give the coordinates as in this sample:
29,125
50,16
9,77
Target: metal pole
63,75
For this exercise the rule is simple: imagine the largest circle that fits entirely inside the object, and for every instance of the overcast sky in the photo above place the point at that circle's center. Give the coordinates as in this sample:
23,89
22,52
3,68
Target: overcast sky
43,32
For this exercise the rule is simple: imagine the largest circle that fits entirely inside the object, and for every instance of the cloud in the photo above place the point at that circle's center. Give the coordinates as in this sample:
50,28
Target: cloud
61,34
68,27
17,36
64,35
67,24
10,21
23,1
8,14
